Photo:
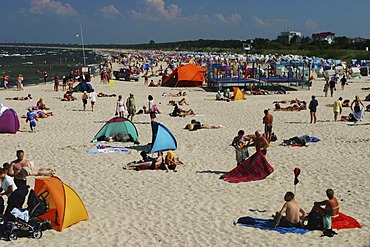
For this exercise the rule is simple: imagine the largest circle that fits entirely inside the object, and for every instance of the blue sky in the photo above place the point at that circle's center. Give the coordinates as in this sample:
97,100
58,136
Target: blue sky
139,21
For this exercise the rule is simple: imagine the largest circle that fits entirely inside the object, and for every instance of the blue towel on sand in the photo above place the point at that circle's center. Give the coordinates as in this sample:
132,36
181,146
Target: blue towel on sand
268,225
310,138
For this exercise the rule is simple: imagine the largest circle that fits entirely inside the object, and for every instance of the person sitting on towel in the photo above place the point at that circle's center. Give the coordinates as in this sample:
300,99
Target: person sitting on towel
330,211
289,215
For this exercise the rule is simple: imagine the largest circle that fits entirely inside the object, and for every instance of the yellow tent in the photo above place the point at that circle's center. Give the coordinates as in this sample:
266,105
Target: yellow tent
238,94
65,206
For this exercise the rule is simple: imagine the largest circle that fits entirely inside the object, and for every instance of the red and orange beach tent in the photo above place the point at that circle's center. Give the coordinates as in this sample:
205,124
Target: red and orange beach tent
65,206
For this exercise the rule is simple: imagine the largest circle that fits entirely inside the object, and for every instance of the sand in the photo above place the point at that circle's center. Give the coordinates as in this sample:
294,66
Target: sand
193,207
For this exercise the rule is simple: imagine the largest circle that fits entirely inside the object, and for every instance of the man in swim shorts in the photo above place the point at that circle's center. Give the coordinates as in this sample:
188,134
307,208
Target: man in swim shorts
267,120
292,210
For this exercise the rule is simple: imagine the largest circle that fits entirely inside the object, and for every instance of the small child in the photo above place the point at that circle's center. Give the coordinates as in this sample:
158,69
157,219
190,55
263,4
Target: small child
31,116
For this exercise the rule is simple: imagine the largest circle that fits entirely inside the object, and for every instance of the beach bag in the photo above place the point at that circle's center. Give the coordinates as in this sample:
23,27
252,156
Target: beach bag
315,221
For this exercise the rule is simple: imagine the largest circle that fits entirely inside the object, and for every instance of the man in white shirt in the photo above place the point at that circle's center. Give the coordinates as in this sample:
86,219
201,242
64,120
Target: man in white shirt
92,97
7,188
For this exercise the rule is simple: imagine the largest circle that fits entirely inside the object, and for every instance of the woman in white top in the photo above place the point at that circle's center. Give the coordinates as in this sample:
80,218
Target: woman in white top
7,188
121,110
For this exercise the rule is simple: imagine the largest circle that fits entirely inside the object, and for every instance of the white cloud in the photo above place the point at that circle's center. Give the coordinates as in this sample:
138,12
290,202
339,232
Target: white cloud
311,25
42,6
110,11
171,12
258,22
232,19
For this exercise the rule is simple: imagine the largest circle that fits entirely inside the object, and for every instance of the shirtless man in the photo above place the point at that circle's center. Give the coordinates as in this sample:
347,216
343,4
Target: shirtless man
260,142
292,210
267,120
330,211
21,168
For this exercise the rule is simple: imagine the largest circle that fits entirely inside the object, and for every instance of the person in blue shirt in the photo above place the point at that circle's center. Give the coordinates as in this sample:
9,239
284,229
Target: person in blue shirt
32,118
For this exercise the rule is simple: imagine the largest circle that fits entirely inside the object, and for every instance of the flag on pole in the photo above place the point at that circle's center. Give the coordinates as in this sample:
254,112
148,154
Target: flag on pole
297,171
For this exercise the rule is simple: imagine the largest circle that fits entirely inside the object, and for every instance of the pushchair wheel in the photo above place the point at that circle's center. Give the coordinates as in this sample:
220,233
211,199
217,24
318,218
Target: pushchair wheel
12,236
37,234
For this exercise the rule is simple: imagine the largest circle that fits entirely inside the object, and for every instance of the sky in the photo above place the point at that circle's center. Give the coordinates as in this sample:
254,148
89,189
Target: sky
139,21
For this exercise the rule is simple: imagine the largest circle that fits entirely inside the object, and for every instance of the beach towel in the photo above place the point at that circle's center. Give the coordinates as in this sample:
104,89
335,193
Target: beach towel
310,138
254,168
105,151
344,221
268,225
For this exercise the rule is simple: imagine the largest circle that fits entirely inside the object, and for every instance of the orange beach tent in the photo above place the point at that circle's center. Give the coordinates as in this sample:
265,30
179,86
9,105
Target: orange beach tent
65,206
189,75
238,94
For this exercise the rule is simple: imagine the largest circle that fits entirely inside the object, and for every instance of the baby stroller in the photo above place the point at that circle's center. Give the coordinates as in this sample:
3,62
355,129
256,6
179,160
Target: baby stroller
26,222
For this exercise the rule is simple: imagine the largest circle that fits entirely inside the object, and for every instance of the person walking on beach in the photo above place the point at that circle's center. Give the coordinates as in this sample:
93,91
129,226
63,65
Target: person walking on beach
313,107
131,107
92,97
337,108
267,120
84,100
56,83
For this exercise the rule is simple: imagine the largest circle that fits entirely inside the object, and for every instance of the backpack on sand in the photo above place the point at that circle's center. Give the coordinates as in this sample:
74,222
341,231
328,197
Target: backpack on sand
315,221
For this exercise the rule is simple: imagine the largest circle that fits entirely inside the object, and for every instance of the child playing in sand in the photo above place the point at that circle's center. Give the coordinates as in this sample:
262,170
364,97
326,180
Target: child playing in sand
32,118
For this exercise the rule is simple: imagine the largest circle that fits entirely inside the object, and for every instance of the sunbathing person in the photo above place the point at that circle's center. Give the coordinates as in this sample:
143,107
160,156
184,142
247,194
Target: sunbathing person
41,105
146,162
43,114
171,162
180,102
178,112
68,96
179,94
101,94
294,213
29,97
195,125
294,107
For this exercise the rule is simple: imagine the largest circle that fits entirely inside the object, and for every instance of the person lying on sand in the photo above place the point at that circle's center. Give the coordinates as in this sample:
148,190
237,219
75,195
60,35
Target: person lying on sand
146,162
294,107
180,102
101,94
179,94
178,112
220,98
291,214
195,125
29,97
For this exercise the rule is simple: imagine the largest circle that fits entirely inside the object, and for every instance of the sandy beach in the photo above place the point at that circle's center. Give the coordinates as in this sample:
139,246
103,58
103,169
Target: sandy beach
193,207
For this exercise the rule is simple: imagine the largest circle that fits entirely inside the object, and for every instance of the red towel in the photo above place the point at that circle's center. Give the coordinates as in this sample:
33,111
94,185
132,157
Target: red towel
254,168
343,221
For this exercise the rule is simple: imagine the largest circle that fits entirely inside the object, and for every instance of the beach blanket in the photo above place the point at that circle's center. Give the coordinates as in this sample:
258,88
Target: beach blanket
268,225
310,138
107,150
254,168
344,221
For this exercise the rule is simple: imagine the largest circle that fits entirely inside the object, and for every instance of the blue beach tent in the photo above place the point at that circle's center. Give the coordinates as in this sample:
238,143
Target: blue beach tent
117,125
162,138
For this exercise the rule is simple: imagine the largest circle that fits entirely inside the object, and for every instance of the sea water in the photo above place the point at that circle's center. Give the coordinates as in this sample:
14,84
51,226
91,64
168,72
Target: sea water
31,62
